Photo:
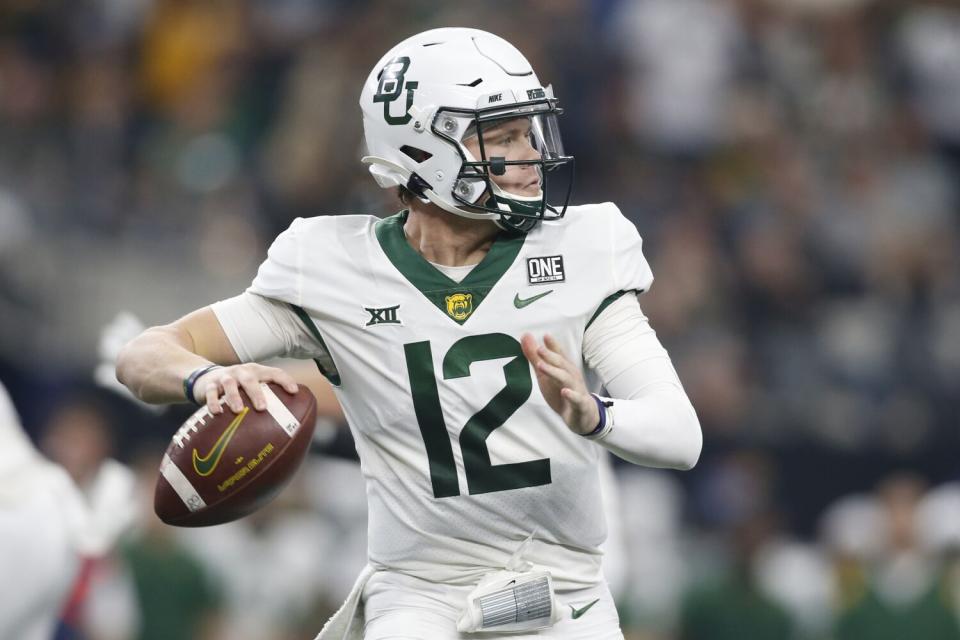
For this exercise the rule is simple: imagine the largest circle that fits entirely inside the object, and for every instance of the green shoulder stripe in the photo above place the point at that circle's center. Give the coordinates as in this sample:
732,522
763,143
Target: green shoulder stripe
603,305
328,369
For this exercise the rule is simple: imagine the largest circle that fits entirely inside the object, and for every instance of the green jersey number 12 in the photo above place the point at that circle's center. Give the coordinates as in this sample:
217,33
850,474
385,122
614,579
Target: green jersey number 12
482,476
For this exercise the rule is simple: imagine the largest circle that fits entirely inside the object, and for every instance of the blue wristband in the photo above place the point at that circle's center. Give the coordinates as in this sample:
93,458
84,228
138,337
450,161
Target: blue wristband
602,409
191,380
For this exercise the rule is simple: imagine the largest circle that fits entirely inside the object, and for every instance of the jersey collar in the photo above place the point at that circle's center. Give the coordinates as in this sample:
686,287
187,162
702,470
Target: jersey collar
457,300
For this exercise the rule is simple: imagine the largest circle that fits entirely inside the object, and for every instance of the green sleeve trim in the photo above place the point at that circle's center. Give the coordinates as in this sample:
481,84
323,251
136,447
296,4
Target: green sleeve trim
603,305
329,370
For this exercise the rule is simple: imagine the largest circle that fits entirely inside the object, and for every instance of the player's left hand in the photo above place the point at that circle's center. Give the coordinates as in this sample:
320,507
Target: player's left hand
561,383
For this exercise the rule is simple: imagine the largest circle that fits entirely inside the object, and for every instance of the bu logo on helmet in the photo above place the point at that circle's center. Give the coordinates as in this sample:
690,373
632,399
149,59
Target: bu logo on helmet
391,87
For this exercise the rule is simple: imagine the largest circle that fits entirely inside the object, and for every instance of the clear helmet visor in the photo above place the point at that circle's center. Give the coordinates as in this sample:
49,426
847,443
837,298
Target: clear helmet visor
545,136
498,145
536,123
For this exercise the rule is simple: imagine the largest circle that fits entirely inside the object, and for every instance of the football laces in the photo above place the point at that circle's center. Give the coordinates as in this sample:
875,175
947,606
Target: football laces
193,423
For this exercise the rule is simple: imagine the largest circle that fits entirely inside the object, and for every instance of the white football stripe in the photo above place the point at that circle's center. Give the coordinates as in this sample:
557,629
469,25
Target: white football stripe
181,485
279,411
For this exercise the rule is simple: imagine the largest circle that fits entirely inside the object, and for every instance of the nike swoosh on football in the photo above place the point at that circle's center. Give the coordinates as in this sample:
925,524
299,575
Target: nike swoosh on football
520,303
576,613
204,465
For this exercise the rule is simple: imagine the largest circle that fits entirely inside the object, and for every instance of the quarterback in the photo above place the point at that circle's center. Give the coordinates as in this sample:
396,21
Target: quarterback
468,339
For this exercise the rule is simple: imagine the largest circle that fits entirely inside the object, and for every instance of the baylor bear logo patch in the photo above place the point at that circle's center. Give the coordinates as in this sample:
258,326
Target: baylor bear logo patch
459,305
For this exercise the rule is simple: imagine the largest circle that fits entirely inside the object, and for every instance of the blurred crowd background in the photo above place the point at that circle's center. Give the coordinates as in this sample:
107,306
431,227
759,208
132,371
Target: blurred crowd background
794,169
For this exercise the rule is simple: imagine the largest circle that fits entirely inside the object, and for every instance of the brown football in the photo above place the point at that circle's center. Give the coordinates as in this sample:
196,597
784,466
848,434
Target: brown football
219,468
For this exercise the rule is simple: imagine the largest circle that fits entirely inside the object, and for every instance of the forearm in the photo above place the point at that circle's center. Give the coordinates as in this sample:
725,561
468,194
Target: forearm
652,421
658,428
154,364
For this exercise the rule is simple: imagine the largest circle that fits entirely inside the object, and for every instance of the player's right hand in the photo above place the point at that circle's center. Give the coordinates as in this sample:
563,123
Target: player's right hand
561,383
227,382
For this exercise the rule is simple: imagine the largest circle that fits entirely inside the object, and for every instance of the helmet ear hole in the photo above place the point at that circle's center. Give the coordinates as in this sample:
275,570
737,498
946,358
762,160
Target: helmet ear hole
415,154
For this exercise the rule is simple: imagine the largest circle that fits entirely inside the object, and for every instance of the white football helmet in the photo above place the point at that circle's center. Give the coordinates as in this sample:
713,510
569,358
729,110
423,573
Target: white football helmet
439,87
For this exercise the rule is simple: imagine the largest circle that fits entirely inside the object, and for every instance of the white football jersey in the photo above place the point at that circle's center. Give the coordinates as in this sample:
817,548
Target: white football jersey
463,458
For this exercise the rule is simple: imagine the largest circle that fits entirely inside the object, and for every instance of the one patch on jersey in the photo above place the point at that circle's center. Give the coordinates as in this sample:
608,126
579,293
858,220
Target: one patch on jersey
382,315
545,269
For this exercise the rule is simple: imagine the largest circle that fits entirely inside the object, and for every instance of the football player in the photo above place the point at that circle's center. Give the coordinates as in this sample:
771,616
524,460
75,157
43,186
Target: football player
466,337
50,529
41,513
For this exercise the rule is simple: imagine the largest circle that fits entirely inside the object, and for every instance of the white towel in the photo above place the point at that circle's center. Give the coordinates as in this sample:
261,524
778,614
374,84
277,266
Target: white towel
347,622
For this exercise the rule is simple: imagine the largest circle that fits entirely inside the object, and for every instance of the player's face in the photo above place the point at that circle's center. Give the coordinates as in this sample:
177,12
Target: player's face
511,140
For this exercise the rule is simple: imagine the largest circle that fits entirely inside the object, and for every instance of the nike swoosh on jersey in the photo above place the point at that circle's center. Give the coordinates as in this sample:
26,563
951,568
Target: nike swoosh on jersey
520,303
204,465
576,613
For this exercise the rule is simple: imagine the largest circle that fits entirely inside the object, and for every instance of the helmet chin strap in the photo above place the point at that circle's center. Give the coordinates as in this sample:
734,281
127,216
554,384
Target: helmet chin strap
513,202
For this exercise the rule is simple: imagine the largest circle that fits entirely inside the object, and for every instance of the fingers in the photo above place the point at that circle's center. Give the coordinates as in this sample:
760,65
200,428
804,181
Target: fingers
582,402
231,393
549,351
229,381
251,385
552,357
552,353
558,374
281,377
554,345
577,397
586,413
212,397
549,360
251,379
530,348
